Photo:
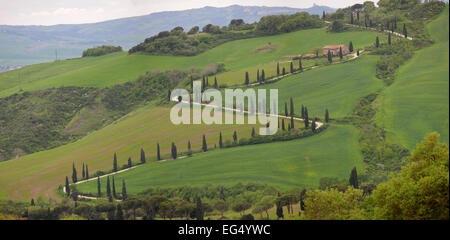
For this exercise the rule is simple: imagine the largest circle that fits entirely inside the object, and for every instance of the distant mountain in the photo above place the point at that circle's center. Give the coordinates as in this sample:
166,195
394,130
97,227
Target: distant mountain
21,45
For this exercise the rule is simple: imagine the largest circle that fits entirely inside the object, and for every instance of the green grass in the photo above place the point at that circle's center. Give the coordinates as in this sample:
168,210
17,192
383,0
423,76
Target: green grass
121,67
336,87
418,101
299,162
40,173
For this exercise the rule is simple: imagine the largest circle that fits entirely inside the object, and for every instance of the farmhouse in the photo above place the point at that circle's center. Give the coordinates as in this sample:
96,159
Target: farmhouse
334,49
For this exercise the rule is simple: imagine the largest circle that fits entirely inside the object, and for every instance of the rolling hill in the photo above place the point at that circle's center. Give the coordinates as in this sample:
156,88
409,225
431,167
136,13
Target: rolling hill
23,45
418,101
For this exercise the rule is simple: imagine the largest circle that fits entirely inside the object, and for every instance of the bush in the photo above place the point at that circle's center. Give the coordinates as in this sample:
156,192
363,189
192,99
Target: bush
100,51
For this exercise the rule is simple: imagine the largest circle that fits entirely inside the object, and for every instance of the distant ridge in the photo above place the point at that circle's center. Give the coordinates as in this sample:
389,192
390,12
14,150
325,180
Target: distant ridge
22,45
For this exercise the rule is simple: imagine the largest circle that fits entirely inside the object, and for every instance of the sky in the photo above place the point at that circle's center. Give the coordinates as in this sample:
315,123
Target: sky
51,12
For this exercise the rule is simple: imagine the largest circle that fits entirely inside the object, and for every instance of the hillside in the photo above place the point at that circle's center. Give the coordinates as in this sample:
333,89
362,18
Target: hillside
21,45
417,103
120,67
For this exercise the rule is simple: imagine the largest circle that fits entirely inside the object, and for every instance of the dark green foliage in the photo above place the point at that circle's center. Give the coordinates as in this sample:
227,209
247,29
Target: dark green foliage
247,217
284,71
108,190
158,152
292,107
354,178
282,125
336,27
114,188
124,190
32,200
83,172
115,163
194,30
292,67
174,151
300,65
303,111
100,51
302,199
130,163
258,79
67,189
330,57
253,132
288,23
74,174
389,39
292,122
263,76
87,172
204,145
313,125
220,140
142,156
199,211
286,113
377,42
119,213
306,118
279,208
278,69
216,85
327,116
235,138
247,79
340,53
405,31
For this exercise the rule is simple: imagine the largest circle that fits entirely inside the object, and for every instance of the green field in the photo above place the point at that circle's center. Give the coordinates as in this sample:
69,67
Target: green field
418,101
299,162
120,67
40,173
336,87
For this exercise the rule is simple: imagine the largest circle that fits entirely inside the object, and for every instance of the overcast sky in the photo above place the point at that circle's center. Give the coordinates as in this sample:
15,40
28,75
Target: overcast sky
50,12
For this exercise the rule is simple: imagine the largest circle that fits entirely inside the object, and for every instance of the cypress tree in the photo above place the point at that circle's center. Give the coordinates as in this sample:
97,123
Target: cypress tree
389,39
99,189
216,85
114,187
124,190
220,140
158,152
282,125
286,110
300,65
115,163
354,178
192,84
284,71
292,107
130,163
169,95
32,200
405,32
203,82
247,79
108,189
357,16
357,53
142,156
204,145
302,199
306,118
189,148
119,212
235,137
87,172
292,67
83,174
330,57
327,116
292,122
253,132
303,111
350,46
323,15
207,81
67,188
257,76
263,76
340,53
74,173
174,151
377,42
351,18
278,69
313,125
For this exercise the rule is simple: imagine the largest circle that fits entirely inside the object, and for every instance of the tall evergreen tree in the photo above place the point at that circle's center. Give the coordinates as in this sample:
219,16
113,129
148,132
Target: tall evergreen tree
114,187
204,145
99,189
124,190
189,149
220,140
216,85
292,67
235,137
174,151
130,163
247,79
351,18
142,156
87,172
405,32
282,125
300,65
115,163
350,46
389,39
357,53
74,174
83,174
377,42
292,122
207,81
203,83
278,69
284,71
327,116
306,118
330,57
286,113
263,76
341,55
302,199
32,201
257,76
313,125
323,15
108,189
354,178
158,152
67,186
303,111
357,17
169,94
192,84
